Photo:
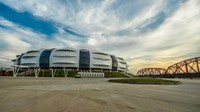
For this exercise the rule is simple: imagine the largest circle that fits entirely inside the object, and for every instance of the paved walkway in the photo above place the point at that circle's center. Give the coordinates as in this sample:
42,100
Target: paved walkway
23,94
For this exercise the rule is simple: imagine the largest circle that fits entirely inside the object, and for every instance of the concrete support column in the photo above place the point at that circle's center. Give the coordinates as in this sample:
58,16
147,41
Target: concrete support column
65,72
37,71
53,72
15,71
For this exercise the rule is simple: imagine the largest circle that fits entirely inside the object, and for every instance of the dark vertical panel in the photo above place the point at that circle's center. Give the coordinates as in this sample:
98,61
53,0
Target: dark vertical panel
45,58
114,63
84,61
19,59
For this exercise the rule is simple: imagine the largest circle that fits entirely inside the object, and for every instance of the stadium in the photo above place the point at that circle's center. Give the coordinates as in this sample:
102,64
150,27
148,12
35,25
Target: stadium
69,59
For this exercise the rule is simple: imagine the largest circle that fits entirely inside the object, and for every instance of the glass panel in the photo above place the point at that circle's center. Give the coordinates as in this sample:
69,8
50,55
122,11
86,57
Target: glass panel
44,58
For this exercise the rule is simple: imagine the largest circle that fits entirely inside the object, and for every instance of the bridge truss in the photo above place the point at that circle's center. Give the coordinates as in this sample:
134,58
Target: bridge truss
151,71
189,66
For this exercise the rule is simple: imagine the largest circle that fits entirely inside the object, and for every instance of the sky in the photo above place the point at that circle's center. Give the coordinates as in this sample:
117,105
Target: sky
146,33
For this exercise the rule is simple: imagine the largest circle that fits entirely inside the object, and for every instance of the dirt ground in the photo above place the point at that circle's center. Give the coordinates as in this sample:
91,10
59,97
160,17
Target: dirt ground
24,94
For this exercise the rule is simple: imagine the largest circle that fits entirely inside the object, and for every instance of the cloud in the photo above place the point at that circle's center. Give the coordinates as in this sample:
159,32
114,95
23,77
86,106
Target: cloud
16,39
175,40
27,20
91,17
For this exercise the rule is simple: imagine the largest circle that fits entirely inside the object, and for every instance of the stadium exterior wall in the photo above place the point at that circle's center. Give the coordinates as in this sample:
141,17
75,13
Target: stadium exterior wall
71,58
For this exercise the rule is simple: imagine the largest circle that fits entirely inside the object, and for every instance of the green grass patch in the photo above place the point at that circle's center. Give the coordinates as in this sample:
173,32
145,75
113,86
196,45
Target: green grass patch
45,73
72,73
146,81
59,73
114,75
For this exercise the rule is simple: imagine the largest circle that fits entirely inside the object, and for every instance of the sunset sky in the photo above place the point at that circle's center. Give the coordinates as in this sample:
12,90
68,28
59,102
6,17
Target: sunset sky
146,33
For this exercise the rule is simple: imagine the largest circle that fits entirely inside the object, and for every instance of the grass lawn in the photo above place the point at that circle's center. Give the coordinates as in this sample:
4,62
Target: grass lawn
114,75
146,81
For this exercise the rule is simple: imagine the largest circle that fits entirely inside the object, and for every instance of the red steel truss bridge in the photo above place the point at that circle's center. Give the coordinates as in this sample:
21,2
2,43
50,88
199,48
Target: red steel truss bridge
151,71
185,67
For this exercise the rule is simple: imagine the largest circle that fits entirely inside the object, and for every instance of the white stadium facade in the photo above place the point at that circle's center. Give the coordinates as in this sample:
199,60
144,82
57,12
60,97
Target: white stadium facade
70,58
